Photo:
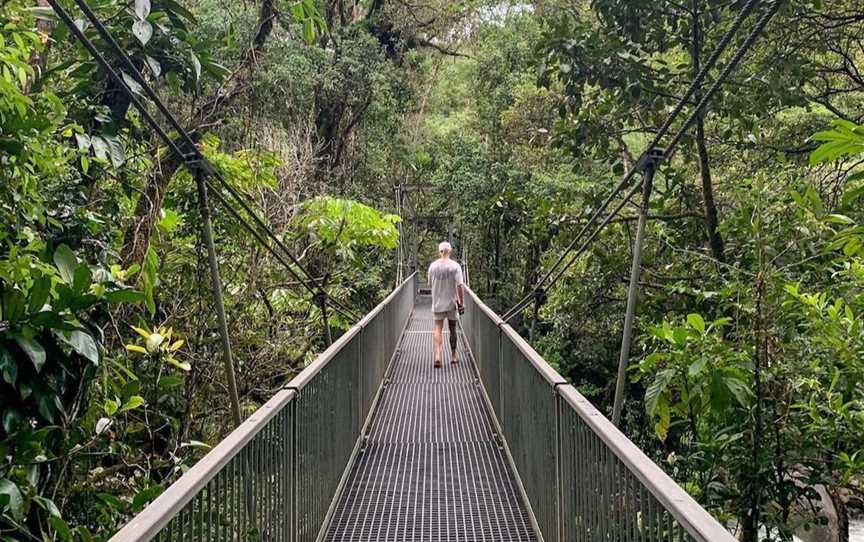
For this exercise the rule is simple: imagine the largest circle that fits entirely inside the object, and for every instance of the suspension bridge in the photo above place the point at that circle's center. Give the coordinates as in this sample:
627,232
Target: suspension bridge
370,443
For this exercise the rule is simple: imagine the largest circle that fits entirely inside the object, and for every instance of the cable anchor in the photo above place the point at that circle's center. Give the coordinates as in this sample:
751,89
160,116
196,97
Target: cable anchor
650,160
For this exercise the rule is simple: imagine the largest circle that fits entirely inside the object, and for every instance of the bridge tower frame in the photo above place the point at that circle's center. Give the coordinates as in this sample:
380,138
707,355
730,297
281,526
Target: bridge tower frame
407,208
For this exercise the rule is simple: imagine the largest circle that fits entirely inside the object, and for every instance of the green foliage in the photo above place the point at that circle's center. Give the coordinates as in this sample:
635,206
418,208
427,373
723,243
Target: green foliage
846,139
697,377
248,169
347,225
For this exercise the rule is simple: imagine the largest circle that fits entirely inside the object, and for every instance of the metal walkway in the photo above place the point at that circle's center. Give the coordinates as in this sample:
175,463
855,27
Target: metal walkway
431,468
371,443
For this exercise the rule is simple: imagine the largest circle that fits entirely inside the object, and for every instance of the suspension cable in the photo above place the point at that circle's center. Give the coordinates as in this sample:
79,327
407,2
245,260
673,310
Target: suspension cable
664,128
519,307
676,140
730,66
199,158
184,134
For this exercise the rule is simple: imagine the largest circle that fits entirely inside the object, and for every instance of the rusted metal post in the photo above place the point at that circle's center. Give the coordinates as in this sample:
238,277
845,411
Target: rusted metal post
415,241
216,283
648,166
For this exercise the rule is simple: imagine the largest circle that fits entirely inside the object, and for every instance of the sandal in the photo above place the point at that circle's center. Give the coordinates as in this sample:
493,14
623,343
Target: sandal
437,364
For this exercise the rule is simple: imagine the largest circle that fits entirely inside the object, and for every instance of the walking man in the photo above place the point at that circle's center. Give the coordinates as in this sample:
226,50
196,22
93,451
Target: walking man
448,297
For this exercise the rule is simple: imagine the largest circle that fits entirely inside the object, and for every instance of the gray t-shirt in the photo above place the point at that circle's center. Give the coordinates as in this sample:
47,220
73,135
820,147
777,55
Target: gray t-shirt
444,276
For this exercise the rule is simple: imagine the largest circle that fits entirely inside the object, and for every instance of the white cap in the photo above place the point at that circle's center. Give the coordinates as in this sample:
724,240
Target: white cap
444,246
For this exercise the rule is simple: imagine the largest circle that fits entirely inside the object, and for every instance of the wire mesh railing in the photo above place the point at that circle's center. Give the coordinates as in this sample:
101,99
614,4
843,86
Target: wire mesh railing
274,478
583,479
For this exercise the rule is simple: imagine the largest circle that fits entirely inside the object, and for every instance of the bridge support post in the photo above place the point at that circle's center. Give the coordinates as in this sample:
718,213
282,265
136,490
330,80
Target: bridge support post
218,301
648,165
415,241
400,249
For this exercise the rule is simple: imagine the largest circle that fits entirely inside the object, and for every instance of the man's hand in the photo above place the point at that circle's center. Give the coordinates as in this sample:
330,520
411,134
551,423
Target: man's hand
461,308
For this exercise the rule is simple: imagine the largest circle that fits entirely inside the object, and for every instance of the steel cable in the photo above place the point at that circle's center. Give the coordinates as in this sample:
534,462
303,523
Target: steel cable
676,140
664,128
315,288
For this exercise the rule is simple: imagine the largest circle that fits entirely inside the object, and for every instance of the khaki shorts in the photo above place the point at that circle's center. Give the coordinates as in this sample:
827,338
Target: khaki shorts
449,315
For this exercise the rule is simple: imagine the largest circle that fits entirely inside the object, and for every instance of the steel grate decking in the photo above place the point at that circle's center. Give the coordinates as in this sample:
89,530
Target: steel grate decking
431,468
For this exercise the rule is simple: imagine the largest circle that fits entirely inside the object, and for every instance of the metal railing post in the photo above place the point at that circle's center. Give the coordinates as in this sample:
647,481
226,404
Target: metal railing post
295,456
414,241
648,168
360,391
559,493
501,378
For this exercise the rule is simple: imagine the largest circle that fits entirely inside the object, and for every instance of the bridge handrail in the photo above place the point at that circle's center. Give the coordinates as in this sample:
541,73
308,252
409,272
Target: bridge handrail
311,371
531,457
690,514
150,522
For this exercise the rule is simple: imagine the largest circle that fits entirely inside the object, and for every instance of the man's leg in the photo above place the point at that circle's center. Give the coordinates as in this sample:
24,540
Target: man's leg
453,341
436,338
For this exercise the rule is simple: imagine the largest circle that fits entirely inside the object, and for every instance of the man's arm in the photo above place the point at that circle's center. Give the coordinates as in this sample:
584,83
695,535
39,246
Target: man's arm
460,289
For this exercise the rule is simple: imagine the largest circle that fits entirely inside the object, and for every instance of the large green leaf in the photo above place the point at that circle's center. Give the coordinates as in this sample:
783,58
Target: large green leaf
61,528
116,151
34,351
697,367
8,367
39,294
66,263
134,402
126,295
696,322
82,343
657,388
82,279
145,496
664,419
846,139
11,421
738,389
174,6
49,404
14,500
14,305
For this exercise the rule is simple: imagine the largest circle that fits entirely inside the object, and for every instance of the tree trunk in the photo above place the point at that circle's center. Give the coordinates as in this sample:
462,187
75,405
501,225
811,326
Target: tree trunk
147,211
712,223
715,240
496,271
43,28
750,526
137,239
842,514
